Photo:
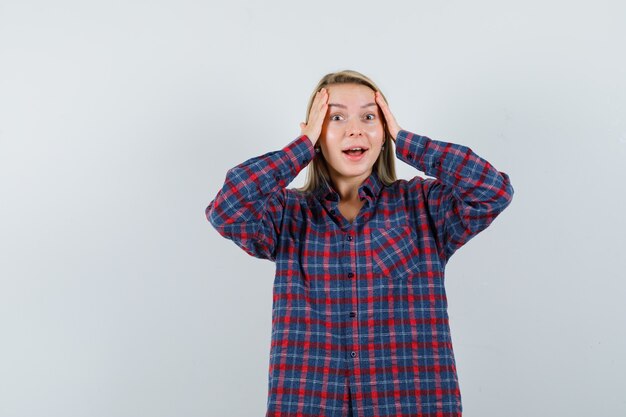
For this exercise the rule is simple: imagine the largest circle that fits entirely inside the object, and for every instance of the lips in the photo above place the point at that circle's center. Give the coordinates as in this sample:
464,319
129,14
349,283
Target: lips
365,148
355,155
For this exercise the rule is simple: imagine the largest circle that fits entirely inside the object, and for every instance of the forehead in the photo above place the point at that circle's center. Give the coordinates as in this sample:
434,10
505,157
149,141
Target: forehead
350,94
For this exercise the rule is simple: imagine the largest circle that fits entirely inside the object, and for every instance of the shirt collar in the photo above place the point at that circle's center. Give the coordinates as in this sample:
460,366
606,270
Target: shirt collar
369,189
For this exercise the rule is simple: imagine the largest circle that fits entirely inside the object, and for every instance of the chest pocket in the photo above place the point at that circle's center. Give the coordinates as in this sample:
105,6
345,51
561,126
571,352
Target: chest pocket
394,252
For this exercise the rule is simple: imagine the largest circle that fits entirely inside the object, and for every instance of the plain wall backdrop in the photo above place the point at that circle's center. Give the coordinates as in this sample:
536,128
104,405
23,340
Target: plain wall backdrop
119,120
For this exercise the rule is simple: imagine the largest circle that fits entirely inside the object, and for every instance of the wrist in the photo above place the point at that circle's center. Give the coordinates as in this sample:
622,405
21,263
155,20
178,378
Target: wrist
309,138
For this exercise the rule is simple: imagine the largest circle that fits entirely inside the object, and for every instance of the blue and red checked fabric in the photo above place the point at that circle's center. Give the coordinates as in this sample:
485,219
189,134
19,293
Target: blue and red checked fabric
359,316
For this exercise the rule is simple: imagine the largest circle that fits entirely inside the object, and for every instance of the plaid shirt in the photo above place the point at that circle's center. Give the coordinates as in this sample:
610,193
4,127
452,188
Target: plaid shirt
359,314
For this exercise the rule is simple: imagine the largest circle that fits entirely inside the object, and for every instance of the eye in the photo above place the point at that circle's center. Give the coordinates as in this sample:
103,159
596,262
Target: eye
373,116
333,117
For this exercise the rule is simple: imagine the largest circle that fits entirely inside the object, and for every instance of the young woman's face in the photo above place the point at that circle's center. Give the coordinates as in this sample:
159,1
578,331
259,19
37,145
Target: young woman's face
353,120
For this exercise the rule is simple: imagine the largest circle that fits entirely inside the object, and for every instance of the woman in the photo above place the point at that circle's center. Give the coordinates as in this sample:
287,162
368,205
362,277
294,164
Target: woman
359,316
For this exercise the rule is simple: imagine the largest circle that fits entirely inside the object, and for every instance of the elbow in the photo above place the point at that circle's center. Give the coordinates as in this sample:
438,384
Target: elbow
507,191
212,215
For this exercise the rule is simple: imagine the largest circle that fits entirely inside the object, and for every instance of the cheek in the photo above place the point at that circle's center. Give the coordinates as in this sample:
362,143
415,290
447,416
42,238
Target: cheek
331,132
376,131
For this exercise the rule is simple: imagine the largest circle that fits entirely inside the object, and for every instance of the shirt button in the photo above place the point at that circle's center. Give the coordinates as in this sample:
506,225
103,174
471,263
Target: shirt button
353,354
305,160
332,211
352,314
409,155
349,237
350,274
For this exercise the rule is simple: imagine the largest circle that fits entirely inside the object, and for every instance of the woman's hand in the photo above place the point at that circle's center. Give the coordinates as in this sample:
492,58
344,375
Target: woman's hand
392,125
313,129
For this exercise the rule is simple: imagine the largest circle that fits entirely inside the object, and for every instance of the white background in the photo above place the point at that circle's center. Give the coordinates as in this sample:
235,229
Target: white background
119,120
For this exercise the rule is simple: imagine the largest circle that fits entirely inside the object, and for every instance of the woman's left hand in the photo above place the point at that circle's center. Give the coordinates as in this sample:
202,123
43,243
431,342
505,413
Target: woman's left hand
392,125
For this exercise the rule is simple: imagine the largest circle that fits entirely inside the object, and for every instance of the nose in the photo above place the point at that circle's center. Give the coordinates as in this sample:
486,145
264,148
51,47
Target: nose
353,128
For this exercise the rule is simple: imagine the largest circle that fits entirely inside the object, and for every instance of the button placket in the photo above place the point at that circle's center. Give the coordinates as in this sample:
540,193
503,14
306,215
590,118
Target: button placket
350,332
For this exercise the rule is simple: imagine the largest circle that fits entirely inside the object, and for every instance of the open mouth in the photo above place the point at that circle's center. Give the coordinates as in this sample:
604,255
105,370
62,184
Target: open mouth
355,153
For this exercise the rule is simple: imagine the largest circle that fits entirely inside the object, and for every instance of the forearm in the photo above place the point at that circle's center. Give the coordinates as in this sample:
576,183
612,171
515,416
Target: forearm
249,206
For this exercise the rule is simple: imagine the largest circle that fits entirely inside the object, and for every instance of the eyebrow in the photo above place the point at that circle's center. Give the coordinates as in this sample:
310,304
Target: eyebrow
341,105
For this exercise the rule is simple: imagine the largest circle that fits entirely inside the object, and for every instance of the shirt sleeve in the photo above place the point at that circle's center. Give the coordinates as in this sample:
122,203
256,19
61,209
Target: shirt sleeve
250,206
467,194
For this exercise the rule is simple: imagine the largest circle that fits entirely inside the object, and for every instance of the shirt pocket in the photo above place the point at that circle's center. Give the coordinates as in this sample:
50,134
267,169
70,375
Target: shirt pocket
394,252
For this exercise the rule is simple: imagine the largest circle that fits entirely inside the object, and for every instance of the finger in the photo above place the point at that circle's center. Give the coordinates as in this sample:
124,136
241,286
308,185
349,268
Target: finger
320,109
380,100
323,98
384,107
317,102
391,124
316,98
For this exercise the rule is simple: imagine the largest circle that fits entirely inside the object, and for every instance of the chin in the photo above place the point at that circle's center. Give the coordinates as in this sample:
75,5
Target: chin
356,172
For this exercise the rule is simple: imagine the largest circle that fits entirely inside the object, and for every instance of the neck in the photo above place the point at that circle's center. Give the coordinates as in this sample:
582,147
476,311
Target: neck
348,187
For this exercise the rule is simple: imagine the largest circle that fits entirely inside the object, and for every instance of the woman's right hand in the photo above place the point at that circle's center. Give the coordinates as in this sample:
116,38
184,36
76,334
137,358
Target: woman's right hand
313,128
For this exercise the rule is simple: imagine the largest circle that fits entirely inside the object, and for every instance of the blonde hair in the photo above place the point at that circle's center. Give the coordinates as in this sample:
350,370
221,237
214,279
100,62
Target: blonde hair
317,173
